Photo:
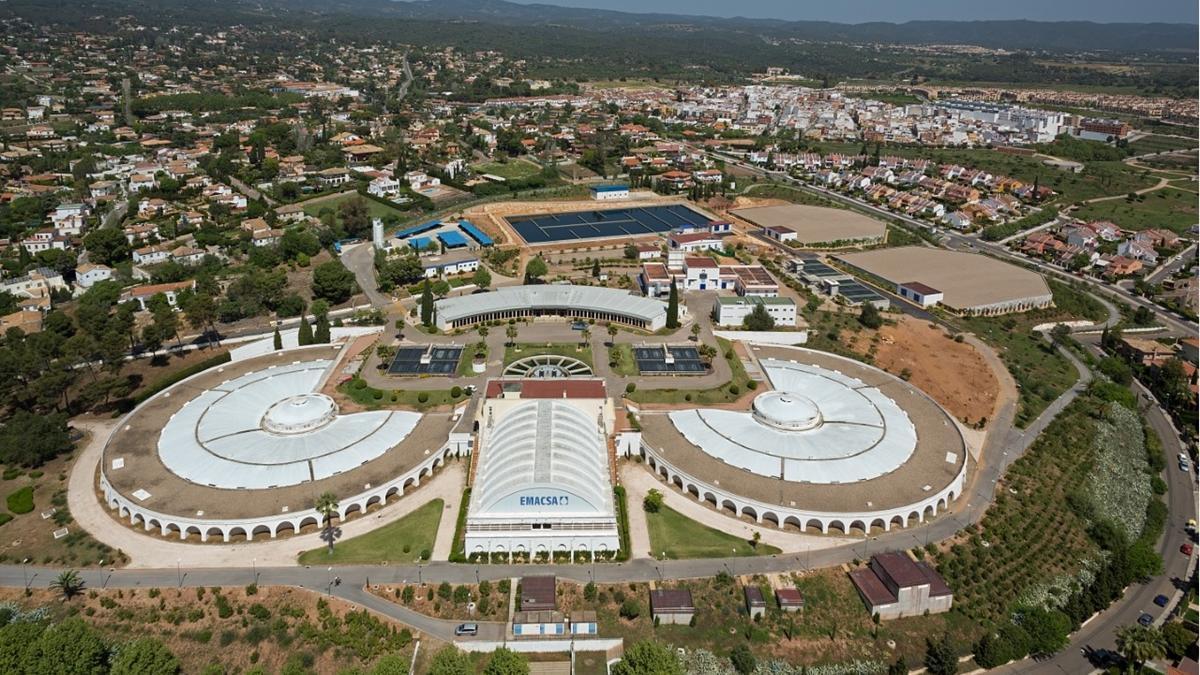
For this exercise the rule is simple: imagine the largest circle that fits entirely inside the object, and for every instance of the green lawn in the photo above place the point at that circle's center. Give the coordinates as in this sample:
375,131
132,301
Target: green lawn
467,360
1169,208
622,355
681,537
523,350
513,170
374,208
401,541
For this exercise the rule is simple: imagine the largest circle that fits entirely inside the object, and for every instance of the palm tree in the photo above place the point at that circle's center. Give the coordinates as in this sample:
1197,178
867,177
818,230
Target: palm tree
327,506
612,333
511,333
69,583
586,335
1139,644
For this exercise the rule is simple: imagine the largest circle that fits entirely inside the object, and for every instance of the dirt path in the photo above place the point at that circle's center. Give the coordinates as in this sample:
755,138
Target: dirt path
149,550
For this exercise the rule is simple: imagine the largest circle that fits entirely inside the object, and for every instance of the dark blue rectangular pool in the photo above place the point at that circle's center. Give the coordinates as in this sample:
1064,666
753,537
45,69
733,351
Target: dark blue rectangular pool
609,223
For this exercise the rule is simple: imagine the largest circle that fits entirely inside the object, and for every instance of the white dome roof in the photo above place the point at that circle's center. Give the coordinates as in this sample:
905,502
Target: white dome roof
787,410
299,414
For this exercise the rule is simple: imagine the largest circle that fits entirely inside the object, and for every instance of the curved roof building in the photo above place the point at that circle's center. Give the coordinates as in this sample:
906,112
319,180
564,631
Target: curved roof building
834,445
585,302
543,482
817,426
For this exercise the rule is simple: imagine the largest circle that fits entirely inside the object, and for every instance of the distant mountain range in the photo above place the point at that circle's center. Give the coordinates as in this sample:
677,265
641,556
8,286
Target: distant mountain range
1035,35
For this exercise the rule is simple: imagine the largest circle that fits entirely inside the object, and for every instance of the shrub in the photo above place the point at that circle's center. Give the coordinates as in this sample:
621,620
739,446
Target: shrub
752,385
252,589
21,501
5,517
630,388
423,397
12,473
455,391
259,612
630,609
733,389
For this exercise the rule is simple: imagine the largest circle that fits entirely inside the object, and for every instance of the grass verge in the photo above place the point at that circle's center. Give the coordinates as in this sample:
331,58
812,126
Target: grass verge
680,537
407,538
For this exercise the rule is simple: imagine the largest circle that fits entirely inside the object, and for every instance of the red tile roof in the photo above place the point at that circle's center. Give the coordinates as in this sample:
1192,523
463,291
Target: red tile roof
553,388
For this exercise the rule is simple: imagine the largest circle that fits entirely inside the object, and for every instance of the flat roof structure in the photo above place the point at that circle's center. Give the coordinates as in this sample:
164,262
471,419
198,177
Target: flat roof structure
669,360
214,483
603,224
586,302
452,239
815,224
971,283
430,360
417,229
890,455
537,593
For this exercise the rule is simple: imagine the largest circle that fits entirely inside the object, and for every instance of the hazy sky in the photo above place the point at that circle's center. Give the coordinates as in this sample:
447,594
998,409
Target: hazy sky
859,11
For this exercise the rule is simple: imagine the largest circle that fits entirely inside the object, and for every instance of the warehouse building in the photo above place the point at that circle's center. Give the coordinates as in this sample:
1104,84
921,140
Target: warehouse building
971,284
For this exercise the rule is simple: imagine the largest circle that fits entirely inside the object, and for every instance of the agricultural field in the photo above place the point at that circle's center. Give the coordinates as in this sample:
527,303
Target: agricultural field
1168,208
678,537
1155,143
409,538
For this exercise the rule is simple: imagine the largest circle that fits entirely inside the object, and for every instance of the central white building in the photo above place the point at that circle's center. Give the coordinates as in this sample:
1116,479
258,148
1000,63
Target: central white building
543,485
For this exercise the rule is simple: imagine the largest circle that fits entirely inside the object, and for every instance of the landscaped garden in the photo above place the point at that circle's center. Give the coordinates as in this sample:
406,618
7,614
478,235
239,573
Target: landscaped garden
405,540
521,350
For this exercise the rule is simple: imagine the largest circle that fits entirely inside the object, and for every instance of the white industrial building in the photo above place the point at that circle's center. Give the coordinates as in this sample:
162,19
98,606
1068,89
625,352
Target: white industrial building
564,300
543,484
732,311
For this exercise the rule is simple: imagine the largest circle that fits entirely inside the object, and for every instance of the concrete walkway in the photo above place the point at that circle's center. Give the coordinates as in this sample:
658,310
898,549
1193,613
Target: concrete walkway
148,550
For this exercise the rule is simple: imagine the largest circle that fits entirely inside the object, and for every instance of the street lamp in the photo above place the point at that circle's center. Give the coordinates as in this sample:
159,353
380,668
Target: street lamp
254,566
179,571
329,577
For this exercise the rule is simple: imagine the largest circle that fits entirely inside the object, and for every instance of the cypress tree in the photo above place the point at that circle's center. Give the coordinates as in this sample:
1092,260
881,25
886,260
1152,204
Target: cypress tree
427,304
306,336
673,306
278,339
322,333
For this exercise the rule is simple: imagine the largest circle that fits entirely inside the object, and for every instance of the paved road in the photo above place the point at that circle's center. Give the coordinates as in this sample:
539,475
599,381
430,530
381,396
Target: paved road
360,259
1172,265
251,192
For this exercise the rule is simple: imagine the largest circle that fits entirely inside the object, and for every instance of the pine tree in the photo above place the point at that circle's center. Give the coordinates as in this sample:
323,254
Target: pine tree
306,336
673,306
322,333
427,304
278,339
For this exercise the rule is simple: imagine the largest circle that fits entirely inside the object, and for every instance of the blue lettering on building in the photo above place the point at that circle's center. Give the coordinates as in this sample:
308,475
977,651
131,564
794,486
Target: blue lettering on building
546,500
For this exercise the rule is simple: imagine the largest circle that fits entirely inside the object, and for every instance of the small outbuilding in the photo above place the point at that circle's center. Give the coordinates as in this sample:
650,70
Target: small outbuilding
789,599
920,294
756,604
672,606
537,594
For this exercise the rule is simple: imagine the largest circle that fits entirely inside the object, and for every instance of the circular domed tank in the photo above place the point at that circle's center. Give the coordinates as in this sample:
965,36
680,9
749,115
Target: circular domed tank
787,411
299,414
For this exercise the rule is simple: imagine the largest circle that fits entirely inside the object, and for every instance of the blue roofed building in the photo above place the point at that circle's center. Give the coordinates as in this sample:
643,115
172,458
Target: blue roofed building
605,192
475,233
452,239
